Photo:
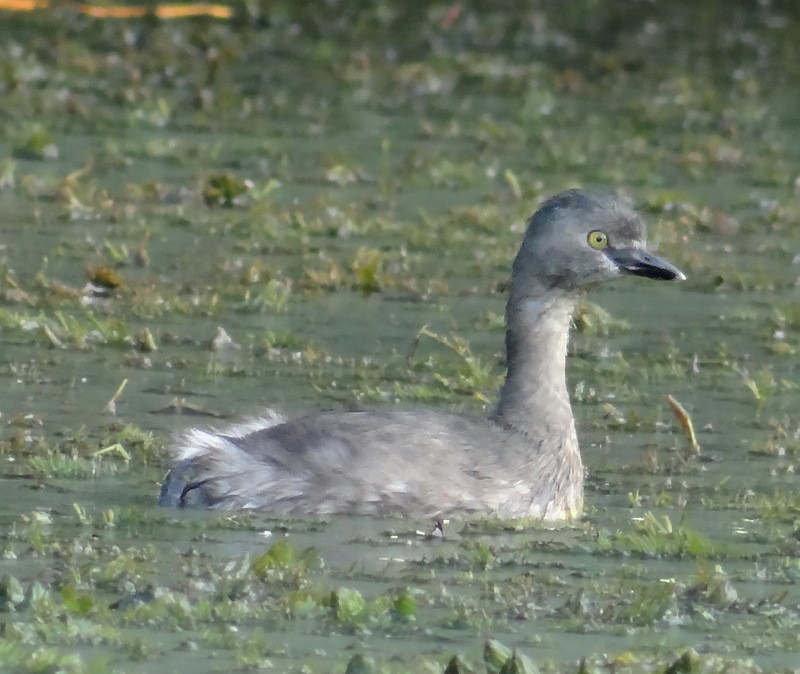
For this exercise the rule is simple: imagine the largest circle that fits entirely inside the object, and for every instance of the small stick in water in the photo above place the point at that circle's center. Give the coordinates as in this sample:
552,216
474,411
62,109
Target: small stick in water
686,424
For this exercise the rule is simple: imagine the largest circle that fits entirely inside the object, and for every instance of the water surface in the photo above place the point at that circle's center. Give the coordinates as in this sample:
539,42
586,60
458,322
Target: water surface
387,160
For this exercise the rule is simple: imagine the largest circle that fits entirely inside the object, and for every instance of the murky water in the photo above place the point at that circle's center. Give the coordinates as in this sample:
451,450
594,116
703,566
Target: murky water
391,158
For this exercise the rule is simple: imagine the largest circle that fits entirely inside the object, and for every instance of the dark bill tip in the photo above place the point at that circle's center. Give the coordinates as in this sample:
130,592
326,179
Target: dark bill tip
639,262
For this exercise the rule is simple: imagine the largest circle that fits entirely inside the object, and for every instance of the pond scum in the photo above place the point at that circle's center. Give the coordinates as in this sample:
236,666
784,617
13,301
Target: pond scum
315,205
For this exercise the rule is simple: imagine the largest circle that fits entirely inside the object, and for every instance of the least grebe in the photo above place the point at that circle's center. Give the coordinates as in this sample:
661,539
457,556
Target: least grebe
523,461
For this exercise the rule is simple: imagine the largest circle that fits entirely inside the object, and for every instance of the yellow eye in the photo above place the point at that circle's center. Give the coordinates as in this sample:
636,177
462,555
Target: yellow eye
597,239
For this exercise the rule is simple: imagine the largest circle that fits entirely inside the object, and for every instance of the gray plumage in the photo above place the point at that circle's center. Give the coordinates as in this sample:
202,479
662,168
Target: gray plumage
523,461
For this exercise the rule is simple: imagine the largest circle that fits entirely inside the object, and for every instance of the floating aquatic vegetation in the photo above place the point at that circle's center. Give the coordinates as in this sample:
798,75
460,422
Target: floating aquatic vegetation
225,190
653,536
403,168
37,143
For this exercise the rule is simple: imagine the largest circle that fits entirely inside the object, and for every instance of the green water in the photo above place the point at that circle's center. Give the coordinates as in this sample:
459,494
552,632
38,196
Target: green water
389,155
